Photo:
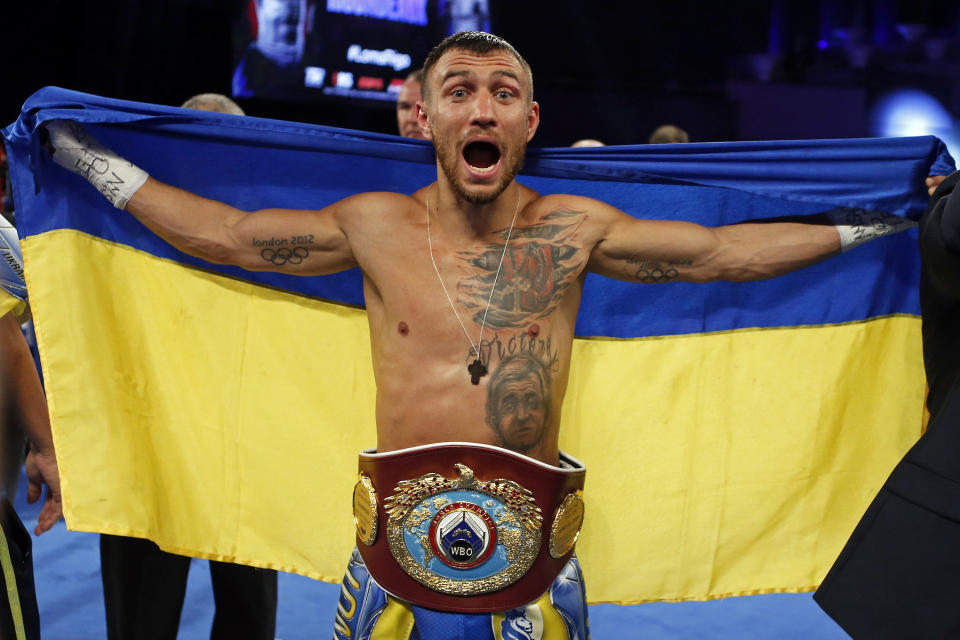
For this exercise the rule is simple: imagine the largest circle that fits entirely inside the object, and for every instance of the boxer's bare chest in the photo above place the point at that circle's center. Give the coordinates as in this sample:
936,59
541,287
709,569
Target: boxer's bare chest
507,281
482,330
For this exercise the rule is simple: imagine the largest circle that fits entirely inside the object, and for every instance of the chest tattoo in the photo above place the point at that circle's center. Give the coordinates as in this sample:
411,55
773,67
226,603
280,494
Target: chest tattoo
538,266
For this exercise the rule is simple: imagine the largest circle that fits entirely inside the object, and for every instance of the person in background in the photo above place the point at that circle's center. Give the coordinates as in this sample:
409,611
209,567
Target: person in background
668,134
897,574
144,586
407,124
216,102
23,408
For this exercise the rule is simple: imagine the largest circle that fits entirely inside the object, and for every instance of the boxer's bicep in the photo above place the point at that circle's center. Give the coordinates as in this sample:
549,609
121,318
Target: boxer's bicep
285,240
301,242
291,241
652,251
655,251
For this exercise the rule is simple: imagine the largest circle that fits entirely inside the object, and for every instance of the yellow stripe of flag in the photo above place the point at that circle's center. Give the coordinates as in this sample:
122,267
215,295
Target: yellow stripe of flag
222,420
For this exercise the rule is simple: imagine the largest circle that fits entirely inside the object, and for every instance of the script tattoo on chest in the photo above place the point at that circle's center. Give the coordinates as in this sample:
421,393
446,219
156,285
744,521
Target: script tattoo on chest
503,345
540,263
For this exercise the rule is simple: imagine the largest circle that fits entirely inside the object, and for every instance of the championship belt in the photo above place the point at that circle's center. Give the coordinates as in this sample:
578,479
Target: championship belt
464,527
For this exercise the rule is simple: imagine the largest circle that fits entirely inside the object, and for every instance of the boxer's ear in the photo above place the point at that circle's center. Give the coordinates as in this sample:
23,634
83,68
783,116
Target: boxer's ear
533,120
424,120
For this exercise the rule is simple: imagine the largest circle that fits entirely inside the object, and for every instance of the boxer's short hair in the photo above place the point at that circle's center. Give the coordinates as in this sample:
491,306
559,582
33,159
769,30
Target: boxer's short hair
477,42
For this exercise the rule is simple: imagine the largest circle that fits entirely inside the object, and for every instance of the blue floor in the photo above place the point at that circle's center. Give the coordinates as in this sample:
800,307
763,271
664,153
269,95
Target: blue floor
71,603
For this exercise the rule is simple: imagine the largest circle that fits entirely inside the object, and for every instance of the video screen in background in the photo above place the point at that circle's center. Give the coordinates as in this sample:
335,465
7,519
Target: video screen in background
307,50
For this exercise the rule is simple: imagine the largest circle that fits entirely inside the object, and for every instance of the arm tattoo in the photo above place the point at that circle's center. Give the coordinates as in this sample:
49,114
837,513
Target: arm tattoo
282,251
655,271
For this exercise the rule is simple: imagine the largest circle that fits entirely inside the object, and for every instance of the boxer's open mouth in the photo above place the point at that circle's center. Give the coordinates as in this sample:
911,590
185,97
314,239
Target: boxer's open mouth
481,156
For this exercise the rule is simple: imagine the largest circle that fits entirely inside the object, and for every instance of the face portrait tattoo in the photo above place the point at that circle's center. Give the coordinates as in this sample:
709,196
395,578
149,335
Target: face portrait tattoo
518,402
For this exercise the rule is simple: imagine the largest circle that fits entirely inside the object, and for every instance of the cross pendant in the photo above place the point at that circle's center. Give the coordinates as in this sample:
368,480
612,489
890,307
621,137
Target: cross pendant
476,370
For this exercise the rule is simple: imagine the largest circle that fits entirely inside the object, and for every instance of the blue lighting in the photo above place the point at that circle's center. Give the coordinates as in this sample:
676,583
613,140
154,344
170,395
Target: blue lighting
822,44
910,112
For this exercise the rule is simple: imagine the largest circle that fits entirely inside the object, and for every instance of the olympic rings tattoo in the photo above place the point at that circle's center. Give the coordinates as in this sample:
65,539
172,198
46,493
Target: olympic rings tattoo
285,255
655,275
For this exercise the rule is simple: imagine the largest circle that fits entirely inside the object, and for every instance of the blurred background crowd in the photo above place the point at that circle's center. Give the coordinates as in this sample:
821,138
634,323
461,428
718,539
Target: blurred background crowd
612,71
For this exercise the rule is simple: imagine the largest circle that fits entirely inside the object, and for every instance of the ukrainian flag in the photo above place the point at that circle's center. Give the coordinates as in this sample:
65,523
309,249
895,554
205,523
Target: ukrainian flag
734,432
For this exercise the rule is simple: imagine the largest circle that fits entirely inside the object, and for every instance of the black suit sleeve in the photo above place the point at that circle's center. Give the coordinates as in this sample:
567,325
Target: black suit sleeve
940,238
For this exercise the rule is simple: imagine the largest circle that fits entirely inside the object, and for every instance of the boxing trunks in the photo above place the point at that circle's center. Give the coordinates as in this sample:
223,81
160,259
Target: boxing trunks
366,612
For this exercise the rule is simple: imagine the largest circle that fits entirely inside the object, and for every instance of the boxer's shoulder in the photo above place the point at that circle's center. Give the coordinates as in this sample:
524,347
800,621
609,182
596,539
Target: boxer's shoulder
378,207
552,202
589,215
380,198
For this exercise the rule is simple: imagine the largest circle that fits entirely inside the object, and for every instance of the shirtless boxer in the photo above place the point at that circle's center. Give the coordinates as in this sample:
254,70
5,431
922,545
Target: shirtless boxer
467,263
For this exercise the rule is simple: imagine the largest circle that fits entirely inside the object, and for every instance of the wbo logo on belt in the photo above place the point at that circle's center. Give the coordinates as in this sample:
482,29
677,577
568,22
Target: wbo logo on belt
463,536
466,543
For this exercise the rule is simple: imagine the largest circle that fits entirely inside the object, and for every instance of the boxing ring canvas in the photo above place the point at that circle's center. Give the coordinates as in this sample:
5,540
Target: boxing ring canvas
734,433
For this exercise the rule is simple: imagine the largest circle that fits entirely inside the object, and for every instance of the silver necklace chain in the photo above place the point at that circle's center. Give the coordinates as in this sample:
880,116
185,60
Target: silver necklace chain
506,245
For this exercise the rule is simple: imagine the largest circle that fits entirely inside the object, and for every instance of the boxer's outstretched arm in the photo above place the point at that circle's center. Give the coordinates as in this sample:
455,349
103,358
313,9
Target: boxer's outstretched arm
661,251
292,241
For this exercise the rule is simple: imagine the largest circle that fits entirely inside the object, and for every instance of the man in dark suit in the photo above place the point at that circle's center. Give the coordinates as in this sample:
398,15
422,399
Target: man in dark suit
897,575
